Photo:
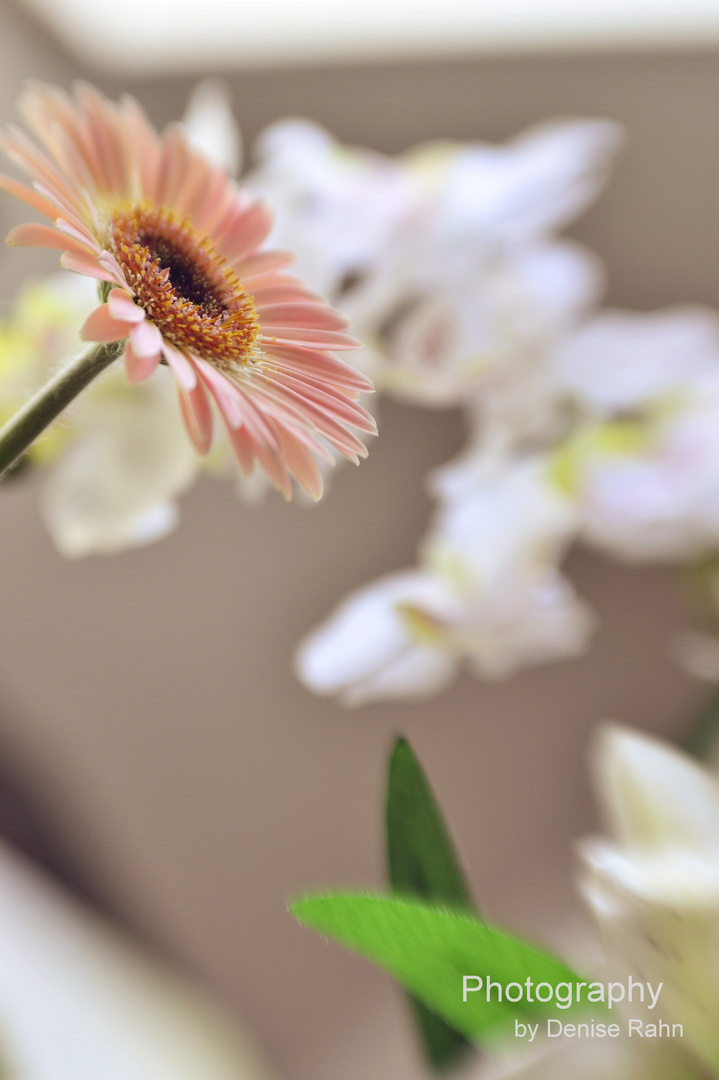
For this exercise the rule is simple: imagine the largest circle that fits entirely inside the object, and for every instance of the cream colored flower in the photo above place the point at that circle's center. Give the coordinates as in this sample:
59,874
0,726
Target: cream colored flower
487,594
654,885
80,1001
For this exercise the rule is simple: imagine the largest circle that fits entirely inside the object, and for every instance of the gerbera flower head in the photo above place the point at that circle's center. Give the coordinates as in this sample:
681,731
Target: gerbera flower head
176,246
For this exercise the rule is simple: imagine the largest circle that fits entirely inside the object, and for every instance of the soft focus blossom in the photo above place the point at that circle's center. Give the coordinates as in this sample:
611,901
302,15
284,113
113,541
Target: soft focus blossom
474,289
338,207
654,886
79,1001
119,457
125,462
643,460
177,247
384,641
521,191
443,255
210,125
487,593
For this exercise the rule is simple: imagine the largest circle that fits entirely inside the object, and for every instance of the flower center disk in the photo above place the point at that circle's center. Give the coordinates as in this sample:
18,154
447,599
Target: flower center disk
187,289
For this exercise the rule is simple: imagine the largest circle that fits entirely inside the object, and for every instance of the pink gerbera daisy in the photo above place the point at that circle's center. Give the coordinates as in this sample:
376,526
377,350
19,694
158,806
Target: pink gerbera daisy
176,245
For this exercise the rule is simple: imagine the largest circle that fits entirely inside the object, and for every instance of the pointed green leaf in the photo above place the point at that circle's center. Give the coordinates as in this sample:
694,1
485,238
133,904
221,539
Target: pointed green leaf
420,854
429,949
422,862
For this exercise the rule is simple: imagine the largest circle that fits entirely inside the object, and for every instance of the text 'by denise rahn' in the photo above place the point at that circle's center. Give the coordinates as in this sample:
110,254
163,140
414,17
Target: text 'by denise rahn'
564,995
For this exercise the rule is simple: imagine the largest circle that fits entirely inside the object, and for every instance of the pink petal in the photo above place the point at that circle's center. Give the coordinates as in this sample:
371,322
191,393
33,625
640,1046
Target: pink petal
100,326
82,235
331,401
197,414
139,368
219,197
111,265
282,292
301,463
146,339
323,339
310,316
85,264
123,309
32,198
32,235
227,396
246,232
257,266
192,193
143,143
243,447
180,366
320,365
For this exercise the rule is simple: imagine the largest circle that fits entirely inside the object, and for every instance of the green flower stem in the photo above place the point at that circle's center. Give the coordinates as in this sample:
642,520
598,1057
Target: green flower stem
21,432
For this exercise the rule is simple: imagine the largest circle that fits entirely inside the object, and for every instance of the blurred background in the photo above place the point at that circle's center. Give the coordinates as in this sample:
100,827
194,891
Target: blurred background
156,751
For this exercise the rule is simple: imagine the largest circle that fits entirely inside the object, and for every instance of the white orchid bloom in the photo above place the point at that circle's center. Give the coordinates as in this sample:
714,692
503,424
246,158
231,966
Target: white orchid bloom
472,295
643,457
654,886
487,594
485,337
624,361
648,483
383,641
519,192
126,461
118,458
337,207
80,1001
500,517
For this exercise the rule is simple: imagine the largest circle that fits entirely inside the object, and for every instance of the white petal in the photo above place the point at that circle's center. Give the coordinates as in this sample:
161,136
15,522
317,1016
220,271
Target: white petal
129,458
655,796
365,649
79,1001
211,125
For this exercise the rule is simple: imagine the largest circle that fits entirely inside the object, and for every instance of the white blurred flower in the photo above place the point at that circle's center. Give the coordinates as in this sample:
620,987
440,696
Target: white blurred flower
649,488
623,361
442,257
654,886
211,127
520,192
79,1001
119,457
500,517
336,206
126,461
487,594
384,641
473,292
487,335
407,634
654,889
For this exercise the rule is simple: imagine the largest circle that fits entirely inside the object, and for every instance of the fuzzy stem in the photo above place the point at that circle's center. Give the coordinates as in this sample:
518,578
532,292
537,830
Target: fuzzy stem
20,432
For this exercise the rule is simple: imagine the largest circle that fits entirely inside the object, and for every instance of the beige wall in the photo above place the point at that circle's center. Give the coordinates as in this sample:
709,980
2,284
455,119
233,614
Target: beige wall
146,701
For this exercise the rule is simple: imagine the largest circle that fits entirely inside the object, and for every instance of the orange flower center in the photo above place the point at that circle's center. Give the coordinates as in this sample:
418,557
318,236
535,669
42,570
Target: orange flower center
184,286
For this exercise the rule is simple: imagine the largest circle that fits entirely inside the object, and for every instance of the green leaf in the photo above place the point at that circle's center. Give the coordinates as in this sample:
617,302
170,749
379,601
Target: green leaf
422,862
429,949
420,854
